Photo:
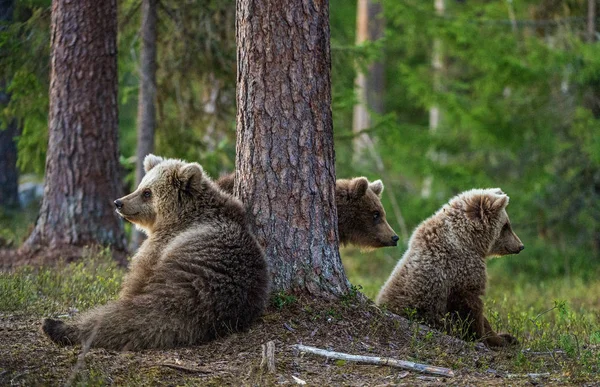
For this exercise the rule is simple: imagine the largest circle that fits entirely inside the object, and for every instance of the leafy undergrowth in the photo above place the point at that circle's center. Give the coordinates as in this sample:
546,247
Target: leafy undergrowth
560,345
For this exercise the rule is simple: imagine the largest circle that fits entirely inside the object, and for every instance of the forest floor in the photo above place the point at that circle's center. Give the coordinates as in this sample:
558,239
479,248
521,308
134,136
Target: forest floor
351,325
28,358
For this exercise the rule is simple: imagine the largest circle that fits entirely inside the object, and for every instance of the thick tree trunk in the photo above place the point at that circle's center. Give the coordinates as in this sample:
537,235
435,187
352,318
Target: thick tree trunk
285,172
82,164
9,175
146,119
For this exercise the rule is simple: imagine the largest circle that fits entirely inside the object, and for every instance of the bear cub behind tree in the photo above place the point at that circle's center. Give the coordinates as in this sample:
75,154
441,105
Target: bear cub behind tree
361,216
443,272
200,273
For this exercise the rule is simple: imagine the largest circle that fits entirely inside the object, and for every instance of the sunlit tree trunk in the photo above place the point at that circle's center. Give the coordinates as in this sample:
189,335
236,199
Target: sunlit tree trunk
146,119
435,113
591,24
82,164
9,175
285,171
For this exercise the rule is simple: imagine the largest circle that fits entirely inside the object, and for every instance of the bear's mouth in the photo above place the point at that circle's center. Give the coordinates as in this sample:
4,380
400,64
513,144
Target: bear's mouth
126,216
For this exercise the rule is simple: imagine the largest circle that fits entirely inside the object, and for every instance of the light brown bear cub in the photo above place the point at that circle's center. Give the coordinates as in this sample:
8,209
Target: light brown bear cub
361,216
443,272
199,274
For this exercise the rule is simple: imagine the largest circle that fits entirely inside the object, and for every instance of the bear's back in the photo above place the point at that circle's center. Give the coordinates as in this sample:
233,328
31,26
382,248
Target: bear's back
219,273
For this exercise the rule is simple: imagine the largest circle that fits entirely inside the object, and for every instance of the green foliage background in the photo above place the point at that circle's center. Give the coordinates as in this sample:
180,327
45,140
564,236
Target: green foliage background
520,110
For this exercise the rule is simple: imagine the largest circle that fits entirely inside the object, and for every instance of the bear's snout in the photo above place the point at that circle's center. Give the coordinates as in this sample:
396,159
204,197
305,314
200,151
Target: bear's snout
118,204
395,240
521,248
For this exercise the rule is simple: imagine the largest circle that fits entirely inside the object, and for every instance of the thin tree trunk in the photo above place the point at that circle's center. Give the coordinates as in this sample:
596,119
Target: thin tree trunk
146,120
438,66
591,24
376,75
435,113
285,156
360,117
82,164
9,174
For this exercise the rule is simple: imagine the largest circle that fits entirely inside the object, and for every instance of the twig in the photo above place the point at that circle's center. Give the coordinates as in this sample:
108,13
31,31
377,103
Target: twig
268,357
81,358
191,370
377,360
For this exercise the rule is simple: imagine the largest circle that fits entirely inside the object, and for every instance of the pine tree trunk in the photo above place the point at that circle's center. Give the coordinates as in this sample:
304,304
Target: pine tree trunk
9,174
146,120
82,165
285,172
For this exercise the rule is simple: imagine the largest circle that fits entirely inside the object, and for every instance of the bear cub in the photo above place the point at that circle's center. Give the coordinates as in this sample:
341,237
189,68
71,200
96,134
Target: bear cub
361,217
443,272
199,275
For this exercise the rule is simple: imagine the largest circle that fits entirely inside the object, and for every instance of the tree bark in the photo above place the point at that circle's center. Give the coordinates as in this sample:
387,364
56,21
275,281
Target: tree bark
285,164
9,174
146,119
591,22
82,164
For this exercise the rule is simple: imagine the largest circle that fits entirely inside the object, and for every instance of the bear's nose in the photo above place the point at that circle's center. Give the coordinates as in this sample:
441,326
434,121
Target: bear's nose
521,248
118,204
395,238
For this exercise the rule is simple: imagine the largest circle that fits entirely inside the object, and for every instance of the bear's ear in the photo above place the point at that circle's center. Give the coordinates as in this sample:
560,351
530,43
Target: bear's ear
499,201
358,187
483,206
376,187
189,176
151,161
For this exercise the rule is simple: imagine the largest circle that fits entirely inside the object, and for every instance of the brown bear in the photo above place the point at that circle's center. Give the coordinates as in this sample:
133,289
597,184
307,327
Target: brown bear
361,217
443,272
200,273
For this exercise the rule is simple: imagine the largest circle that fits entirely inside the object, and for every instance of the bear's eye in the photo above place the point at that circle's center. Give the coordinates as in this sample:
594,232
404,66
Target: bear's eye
147,194
376,215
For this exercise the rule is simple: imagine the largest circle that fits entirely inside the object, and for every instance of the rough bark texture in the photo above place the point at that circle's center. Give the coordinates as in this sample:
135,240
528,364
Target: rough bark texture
146,119
9,175
82,175
285,172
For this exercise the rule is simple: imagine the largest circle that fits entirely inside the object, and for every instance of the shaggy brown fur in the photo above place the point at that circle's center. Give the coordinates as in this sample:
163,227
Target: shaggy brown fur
361,217
199,274
443,272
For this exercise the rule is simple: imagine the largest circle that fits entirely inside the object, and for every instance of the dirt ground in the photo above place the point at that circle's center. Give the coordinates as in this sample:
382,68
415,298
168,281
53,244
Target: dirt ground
353,326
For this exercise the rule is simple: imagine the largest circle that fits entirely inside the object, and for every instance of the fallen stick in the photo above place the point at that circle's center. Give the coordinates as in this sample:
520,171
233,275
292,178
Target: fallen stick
409,365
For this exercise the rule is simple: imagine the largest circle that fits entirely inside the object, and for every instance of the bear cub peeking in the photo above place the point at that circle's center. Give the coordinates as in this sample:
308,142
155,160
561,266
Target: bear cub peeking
199,275
443,272
361,216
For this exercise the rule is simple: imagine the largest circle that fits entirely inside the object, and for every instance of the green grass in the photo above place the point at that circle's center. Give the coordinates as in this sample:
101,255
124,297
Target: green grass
557,319
47,291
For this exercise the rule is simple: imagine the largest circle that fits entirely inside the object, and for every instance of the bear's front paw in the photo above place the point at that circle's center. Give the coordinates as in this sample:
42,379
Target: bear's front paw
509,339
495,341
